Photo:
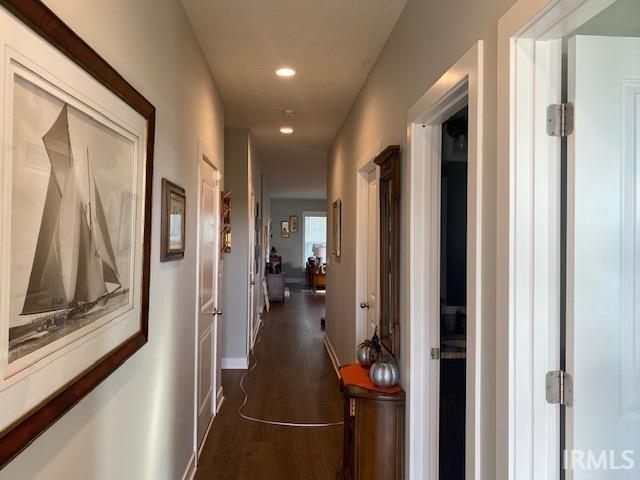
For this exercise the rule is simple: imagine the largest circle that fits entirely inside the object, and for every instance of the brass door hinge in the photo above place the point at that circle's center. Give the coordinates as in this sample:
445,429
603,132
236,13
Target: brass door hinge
352,407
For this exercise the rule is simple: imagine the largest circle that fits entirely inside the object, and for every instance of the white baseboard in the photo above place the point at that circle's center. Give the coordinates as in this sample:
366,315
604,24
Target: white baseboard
190,471
332,355
204,440
234,363
219,400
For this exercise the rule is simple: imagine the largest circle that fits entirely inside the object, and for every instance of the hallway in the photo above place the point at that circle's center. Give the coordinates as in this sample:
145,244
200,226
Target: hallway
294,381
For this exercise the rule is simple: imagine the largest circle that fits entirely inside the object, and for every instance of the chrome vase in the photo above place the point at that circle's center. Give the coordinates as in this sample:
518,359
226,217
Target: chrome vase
369,351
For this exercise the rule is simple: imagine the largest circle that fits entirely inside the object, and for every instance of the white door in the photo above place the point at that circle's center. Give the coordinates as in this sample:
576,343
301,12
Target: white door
207,296
603,259
252,275
368,253
373,254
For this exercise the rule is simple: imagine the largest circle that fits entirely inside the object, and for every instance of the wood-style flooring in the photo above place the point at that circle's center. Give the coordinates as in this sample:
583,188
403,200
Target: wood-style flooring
293,382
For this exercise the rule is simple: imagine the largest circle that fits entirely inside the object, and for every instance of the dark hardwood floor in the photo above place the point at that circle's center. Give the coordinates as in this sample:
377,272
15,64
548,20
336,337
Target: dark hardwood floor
293,382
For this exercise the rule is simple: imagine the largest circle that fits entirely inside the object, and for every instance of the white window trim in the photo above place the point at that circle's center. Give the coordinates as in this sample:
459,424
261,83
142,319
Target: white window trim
461,85
529,78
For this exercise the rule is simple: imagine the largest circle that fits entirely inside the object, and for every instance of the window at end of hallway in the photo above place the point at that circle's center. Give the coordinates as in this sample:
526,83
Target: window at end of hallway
315,233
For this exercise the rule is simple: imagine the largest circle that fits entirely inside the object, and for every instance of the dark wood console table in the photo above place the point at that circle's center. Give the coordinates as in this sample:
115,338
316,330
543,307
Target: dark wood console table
318,279
373,433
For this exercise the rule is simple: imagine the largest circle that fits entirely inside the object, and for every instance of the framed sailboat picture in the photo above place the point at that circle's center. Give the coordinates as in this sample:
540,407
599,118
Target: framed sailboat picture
75,214
173,221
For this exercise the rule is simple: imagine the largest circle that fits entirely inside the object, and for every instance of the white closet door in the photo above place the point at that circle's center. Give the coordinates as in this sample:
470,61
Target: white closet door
603,248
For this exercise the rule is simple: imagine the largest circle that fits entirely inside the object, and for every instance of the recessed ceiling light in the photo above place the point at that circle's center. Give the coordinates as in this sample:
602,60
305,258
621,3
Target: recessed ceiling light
285,72
289,113
286,130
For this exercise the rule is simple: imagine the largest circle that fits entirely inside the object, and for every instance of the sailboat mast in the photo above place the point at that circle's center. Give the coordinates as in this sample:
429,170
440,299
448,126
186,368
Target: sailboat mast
89,184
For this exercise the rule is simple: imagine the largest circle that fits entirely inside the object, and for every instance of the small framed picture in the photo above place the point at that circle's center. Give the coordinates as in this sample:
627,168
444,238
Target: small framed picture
336,227
226,222
226,207
293,219
284,229
173,221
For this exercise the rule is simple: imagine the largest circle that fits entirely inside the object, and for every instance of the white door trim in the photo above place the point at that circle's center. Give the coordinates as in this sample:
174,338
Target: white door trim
362,226
204,153
528,233
461,85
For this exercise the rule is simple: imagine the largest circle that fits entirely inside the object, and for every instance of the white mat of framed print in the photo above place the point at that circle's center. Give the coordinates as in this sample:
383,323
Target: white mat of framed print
74,205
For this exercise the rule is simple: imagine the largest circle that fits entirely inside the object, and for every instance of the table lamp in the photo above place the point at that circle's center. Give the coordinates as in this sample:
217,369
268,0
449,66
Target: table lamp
320,252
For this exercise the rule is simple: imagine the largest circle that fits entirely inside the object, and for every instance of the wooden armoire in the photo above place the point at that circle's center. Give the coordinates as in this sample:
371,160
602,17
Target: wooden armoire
373,417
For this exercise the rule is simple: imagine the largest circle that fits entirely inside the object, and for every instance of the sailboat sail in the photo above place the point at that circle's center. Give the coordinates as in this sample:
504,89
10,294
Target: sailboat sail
104,249
74,258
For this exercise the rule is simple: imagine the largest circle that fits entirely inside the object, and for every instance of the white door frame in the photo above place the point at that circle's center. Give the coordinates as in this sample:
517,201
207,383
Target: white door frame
204,153
362,232
461,85
528,269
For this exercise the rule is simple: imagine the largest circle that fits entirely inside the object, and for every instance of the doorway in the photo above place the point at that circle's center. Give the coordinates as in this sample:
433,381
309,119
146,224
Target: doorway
208,308
251,298
577,402
435,328
453,295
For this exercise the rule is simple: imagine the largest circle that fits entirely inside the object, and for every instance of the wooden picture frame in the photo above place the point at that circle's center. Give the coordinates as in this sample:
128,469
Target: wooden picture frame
173,221
336,228
293,223
284,229
389,185
89,90
226,222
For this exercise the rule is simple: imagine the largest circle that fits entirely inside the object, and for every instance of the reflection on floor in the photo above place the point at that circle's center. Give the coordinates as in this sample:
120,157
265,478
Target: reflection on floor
295,382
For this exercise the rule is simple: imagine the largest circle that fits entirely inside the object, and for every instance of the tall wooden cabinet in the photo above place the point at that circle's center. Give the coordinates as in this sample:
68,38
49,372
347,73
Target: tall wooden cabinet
389,163
373,434
374,419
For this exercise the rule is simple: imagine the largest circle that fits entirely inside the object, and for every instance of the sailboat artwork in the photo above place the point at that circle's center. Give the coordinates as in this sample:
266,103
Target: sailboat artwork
74,277
76,209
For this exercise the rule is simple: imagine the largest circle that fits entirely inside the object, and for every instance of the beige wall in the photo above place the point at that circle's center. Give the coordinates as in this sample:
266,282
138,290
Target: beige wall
139,423
428,38
233,326
243,175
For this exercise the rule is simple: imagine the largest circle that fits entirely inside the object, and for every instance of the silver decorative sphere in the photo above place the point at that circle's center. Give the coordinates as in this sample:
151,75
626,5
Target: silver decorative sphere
367,353
385,372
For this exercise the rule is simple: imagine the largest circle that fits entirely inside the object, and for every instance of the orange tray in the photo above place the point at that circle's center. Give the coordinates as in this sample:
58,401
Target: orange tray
356,374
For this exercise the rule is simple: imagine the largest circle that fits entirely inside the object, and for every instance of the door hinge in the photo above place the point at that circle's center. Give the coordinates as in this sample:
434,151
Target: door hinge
352,407
435,353
560,388
560,120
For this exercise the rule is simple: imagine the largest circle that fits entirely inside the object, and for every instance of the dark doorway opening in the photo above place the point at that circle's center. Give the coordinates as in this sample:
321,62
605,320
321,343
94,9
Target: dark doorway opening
453,296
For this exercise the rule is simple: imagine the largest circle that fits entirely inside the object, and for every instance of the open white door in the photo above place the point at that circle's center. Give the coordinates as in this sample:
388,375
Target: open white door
603,259
207,297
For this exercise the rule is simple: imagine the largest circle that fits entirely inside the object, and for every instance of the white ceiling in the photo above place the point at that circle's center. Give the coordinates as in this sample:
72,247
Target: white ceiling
332,44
